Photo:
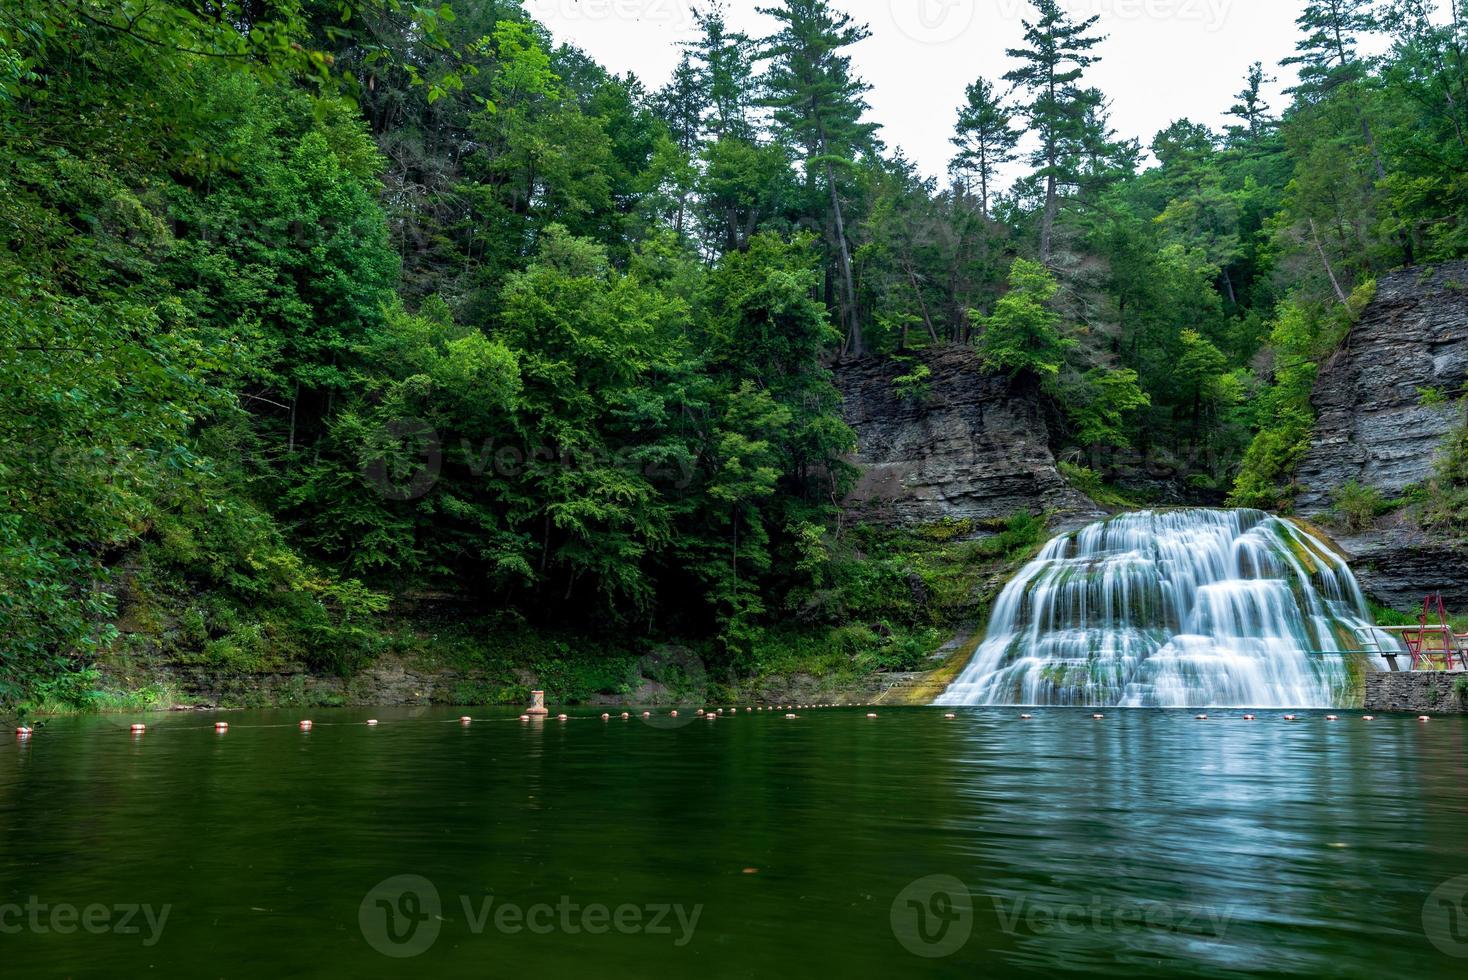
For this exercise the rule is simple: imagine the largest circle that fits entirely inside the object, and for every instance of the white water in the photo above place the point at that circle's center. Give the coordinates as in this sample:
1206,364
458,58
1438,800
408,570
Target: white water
1191,608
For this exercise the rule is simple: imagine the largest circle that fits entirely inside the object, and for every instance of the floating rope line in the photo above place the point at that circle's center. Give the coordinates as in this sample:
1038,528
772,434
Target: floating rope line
25,733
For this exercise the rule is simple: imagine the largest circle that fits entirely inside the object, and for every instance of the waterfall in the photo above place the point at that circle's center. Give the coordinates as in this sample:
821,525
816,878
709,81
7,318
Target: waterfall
1188,608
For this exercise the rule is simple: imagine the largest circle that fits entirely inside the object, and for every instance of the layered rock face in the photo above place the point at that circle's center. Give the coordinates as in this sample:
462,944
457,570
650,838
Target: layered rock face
1397,564
975,446
1373,425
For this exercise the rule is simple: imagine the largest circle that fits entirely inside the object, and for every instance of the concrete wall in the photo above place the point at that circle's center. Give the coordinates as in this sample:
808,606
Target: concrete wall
1422,692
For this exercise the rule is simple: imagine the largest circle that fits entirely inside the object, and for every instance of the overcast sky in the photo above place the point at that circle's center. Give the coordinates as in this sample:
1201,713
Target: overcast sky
1162,59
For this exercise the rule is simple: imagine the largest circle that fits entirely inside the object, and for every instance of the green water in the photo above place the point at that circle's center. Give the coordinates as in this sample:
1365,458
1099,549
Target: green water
1148,843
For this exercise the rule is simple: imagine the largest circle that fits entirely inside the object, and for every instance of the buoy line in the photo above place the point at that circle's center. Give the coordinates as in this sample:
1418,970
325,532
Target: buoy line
306,725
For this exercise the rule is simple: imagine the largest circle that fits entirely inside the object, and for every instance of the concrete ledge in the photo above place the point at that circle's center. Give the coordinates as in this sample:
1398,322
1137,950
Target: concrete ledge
1418,692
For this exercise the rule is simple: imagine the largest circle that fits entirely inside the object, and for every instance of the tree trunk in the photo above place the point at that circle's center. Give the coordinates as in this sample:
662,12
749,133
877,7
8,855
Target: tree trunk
922,305
1325,261
1047,219
844,252
295,401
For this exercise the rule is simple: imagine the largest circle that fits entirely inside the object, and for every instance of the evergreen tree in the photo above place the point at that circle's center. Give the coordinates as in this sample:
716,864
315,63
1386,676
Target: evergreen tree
681,105
1053,61
1022,335
1251,107
818,105
725,67
1327,54
984,137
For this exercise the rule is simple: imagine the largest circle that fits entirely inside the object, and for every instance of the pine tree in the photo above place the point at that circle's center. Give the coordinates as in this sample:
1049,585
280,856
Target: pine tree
681,105
1327,53
1251,107
1054,59
818,105
984,138
725,61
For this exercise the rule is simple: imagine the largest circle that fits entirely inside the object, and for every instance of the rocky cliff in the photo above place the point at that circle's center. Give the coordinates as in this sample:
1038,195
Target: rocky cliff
971,445
1379,421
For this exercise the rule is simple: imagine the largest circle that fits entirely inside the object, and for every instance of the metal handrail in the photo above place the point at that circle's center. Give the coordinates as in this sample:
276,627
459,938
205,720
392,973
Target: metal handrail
1453,642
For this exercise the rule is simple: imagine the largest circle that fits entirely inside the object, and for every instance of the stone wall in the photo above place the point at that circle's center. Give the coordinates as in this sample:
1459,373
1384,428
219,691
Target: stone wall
1421,692
976,446
1373,425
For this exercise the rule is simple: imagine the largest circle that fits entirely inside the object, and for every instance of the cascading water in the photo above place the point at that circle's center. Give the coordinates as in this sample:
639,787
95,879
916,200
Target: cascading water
1189,608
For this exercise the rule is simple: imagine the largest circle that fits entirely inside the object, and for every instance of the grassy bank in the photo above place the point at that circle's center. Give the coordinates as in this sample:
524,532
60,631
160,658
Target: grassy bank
894,617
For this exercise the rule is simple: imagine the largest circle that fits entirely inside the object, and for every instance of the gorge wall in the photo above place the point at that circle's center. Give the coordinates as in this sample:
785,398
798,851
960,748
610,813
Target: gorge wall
1374,423
1381,422
973,446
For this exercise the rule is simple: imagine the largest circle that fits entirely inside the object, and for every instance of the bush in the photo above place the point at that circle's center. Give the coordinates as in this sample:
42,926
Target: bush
914,386
1090,483
1447,507
1356,506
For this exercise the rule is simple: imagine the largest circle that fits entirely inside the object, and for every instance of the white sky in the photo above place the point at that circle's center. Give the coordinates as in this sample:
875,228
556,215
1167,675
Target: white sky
1162,60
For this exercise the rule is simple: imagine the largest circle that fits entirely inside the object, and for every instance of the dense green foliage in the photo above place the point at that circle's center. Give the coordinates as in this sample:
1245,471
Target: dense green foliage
306,306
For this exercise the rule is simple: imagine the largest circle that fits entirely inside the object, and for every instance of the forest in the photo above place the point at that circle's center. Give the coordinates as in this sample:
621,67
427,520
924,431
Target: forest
311,306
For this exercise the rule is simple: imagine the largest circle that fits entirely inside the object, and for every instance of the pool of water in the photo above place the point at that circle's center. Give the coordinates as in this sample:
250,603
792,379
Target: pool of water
1147,843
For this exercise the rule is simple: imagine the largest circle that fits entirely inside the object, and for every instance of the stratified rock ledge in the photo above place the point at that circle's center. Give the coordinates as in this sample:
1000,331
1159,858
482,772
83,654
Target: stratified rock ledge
975,447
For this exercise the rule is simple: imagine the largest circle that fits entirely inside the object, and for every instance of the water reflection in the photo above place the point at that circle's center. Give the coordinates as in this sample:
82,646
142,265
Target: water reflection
1145,843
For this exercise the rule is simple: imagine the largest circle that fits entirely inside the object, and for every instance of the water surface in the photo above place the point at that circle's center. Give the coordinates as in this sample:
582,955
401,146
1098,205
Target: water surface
1144,844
